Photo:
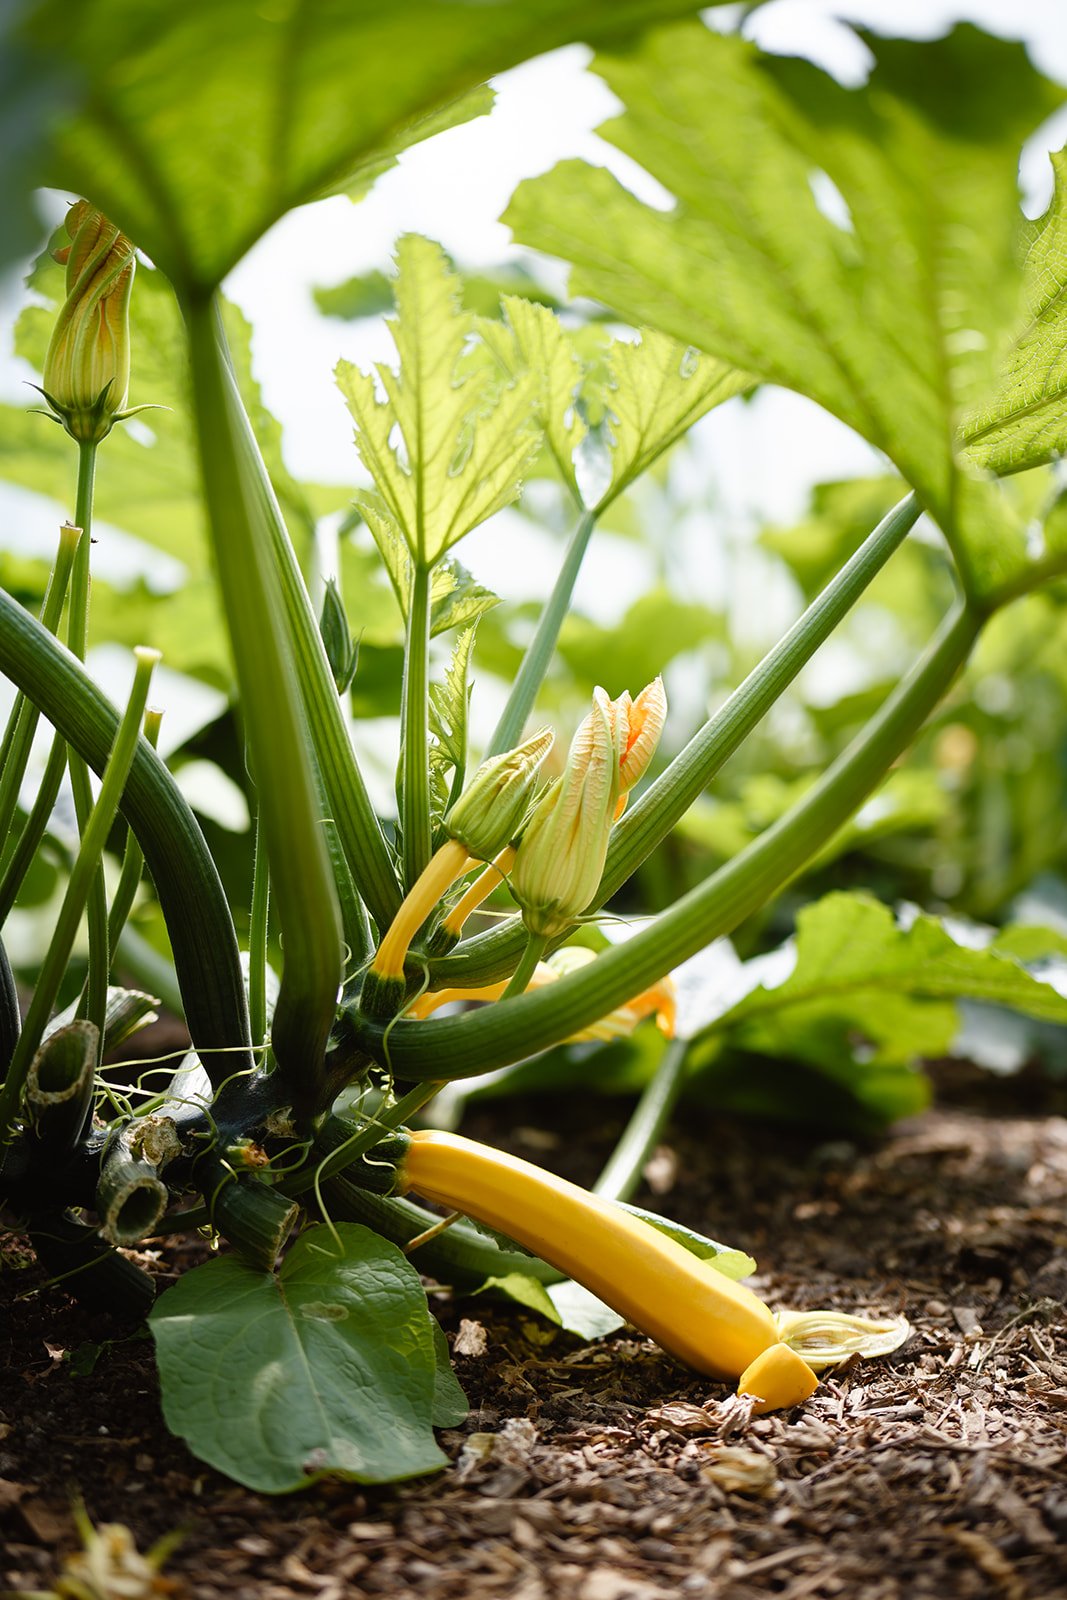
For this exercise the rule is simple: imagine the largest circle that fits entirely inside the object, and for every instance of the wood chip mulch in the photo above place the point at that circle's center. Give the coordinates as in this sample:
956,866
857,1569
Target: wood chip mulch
606,1472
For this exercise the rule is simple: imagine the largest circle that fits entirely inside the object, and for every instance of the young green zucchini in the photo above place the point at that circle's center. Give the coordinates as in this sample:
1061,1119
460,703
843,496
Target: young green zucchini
714,1325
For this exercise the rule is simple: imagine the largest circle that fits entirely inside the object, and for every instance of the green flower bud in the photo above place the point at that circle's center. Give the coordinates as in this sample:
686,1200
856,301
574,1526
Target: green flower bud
87,368
490,812
342,651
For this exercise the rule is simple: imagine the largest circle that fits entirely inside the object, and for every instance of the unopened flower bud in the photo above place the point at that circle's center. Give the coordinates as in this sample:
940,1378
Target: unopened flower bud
342,651
560,858
490,812
87,368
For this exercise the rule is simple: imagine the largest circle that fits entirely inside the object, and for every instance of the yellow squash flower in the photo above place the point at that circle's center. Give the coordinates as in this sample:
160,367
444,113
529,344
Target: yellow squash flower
560,859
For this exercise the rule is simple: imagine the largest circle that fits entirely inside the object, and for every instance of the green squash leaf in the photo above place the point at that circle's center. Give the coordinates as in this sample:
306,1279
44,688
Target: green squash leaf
449,703
327,1368
449,1402
466,434
658,389
195,128
859,973
1025,422
857,245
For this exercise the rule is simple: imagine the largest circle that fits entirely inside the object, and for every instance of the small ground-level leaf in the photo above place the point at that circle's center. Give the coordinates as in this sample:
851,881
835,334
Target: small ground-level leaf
328,1367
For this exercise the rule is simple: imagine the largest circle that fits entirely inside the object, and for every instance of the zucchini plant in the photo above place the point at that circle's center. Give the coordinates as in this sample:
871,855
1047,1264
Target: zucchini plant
913,319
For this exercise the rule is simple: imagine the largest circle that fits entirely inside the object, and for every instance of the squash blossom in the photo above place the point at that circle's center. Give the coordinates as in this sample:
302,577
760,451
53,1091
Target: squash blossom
87,368
481,824
560,859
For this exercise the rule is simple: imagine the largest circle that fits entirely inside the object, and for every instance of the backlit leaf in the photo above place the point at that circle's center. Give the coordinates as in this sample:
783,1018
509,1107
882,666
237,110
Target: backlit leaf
197,127
450,442
855,244
1026,420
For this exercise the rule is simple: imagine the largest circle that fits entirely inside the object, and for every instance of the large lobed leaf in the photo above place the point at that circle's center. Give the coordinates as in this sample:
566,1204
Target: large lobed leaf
328,1367
857,245
858,971
466,430
196,127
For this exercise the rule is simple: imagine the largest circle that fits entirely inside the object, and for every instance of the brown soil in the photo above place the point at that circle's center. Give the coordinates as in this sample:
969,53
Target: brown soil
606,1472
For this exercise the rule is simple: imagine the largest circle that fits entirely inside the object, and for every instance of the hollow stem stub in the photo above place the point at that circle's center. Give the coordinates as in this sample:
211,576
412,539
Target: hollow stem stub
254,1217
59,1084
130,1197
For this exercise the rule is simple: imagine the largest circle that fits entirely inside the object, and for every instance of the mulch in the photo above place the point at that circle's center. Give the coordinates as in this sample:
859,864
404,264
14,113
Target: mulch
607,1472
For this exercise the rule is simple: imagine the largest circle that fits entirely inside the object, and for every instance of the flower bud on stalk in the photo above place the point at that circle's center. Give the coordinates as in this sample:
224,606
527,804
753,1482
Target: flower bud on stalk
489,813
480,825
87,368
561,856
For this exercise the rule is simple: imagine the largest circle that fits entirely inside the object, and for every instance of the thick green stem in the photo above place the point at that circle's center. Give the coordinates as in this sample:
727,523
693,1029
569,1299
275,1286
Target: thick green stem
622,1173
651,819
22,724
86,865
276,729
132,859
413,797
497,1035
539,652
187,883
94,1000
347,801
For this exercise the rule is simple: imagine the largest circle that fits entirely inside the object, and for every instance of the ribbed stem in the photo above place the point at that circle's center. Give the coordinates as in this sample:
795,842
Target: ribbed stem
94,1000
79,885
132,858
274,717
413,793
535,662
130,1197
254,1217
186,880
